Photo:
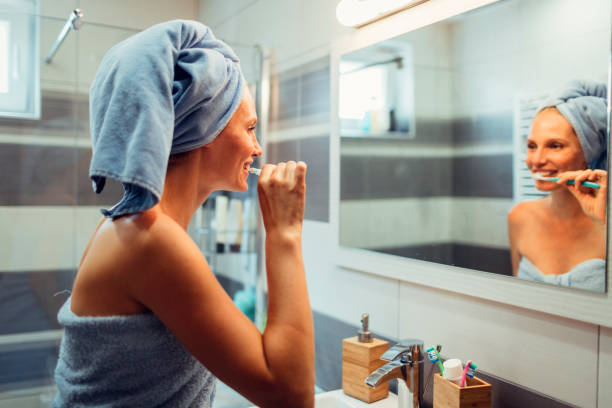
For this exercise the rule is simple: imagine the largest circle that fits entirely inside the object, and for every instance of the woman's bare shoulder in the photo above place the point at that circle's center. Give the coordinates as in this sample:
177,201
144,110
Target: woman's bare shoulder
126,248
153,238
522,210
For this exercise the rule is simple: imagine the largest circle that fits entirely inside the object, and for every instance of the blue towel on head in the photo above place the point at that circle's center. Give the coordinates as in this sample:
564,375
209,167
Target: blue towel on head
584,104
166,90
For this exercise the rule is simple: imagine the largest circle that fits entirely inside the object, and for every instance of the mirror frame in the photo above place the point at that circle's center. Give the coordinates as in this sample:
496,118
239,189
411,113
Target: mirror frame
590,307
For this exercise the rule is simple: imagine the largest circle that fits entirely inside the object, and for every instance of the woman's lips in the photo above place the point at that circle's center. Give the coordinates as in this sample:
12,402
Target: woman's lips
545,173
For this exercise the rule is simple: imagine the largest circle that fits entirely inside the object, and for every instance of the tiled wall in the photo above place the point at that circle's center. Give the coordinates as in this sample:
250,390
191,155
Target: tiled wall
47,207
299,128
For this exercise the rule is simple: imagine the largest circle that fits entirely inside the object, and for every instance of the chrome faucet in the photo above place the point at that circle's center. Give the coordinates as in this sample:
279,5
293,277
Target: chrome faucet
402,357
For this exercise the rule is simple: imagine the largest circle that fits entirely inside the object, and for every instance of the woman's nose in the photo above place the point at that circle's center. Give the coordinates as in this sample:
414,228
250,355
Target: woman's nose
537,156
257,150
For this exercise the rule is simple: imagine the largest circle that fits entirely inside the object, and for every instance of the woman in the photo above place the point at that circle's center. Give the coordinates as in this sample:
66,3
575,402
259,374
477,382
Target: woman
147,323
560,238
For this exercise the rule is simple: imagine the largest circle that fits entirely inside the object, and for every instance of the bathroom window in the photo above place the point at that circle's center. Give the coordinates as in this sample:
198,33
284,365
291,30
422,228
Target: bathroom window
362,95
19,59
376,94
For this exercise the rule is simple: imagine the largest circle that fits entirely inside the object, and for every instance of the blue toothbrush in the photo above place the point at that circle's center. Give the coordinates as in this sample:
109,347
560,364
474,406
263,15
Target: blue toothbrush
555,179
433,355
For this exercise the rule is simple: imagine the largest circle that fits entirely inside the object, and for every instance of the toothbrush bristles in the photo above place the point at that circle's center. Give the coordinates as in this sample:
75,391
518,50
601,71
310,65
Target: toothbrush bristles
254,171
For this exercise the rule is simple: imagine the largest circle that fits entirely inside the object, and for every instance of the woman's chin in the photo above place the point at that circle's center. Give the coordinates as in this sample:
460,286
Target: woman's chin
547,186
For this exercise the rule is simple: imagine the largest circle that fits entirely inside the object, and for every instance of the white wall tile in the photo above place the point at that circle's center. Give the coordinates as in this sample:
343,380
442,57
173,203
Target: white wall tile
57,8
480,221
551,355
60,74
216,13
93,42
137,14
395,222
345,294
36,238
86,219
44,237
605,367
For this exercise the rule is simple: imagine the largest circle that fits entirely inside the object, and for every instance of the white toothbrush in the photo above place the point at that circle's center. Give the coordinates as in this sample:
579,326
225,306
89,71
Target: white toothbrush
254,171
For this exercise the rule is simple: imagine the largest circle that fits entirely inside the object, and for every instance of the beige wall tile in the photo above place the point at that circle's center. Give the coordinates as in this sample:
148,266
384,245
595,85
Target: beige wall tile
137,14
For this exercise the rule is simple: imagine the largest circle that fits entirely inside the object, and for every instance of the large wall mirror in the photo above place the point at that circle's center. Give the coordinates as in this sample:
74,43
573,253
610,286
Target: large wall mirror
442,142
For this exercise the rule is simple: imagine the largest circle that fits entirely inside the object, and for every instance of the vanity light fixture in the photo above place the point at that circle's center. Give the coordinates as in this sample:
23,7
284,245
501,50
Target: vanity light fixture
357,13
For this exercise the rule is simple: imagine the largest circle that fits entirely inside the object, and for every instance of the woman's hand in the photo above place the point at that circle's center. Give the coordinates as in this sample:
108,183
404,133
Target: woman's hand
282,195
592,200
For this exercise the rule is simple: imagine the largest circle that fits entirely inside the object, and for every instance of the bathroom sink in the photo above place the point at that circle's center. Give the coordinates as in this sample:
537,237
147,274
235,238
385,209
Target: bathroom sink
338,399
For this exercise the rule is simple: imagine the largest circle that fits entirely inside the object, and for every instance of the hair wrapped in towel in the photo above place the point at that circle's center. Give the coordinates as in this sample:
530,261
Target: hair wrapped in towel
166,90
584,104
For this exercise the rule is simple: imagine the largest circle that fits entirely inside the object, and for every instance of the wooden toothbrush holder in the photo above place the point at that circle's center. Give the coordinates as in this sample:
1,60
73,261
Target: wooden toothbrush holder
447,394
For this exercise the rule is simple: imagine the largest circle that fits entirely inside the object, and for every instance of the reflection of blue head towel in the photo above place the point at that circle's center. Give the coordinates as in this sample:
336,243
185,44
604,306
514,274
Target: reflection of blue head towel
169,89
126,361
584,105
589,275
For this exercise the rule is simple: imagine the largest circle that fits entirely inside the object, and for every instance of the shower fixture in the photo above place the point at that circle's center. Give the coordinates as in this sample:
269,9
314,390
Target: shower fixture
74,22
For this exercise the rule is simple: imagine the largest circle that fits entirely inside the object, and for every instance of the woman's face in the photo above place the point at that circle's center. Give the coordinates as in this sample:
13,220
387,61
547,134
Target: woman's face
552,148
231,153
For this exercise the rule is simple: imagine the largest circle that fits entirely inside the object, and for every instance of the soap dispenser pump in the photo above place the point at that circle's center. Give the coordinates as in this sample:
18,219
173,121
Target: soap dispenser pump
364,335
360,357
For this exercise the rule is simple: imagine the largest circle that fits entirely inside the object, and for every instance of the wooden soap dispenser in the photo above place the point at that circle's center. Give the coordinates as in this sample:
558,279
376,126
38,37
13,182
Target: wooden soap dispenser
360,358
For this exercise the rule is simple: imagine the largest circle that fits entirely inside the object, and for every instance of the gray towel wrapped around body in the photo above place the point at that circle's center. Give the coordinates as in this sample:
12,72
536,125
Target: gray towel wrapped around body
588,275
126,361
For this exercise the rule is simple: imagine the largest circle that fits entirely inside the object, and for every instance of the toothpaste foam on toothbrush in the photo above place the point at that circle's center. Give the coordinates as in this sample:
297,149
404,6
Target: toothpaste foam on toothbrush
254,171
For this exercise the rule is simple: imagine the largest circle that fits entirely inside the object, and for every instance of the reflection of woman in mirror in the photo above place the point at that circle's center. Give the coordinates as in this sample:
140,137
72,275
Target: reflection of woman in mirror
560,238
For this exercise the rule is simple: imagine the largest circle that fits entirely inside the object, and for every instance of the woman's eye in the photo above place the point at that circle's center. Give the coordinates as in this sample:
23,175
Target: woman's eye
556,146
531,146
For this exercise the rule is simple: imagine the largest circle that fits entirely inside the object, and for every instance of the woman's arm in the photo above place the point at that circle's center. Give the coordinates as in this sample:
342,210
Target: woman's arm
173,280
282,191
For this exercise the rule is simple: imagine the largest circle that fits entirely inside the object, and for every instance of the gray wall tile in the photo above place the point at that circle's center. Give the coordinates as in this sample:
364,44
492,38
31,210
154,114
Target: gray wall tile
370,177
28,302
37,175
113,190
314,92
483,176
59,112
481,258
50,175
314,151
487,128
300,96
32,366
364,177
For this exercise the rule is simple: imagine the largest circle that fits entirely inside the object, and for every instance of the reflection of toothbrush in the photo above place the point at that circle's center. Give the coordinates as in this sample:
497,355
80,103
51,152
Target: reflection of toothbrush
555,179
254,171
469,371
434,356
